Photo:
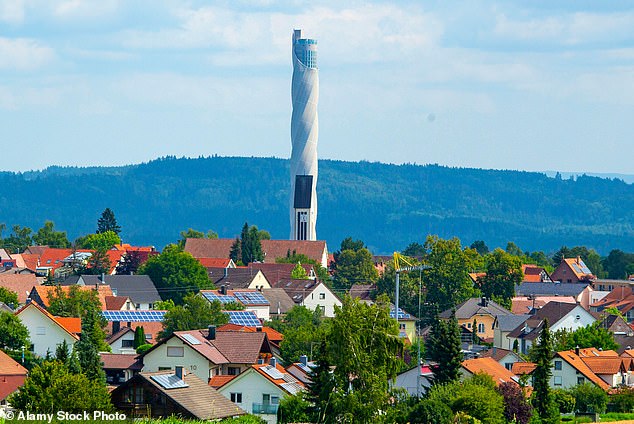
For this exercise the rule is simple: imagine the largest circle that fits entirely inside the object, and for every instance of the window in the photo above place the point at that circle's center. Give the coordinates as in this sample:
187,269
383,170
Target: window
557,380
323,310
164,368
469,325
401,326
558,365
233,371
175,351
236,397
480,328
580,380
275,400
148,337
138,306
40,331
322,296
508,365
127,343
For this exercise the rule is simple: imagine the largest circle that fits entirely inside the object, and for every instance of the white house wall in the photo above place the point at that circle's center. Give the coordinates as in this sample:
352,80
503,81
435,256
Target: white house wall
192,361
314,300
253,386
44,334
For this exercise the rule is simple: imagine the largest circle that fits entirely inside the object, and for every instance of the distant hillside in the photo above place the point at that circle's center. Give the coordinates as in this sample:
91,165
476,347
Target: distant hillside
387,206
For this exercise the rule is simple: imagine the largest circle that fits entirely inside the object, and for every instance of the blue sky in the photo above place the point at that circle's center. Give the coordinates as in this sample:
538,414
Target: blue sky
537,85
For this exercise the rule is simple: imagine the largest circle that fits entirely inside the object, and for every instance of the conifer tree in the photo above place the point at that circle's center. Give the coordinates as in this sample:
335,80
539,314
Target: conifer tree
107,222
542,398
444,349
139,337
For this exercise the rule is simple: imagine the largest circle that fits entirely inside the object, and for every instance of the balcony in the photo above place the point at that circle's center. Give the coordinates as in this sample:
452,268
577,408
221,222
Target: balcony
264,408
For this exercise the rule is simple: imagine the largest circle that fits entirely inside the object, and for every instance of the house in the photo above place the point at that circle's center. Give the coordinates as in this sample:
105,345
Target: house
312,294
272,249
559,315
139,288
406,323
301,370
504,357
581,292
528,304
363,292
488,366
572,271
535,274
46,332
42,294
274,336
622,332
280,302
252,300
12,376
120,368
217,262
166,393
568,370
482,311
119,303
21,284
502,326
58,262
621,298
207,353
275,273
122,340
260,388
238,278
416,380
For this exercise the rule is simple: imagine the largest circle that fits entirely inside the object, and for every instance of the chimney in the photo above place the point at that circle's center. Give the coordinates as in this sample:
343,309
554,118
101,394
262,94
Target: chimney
116,326
258,329
273,362
178,371
260,361
211,332
483,301
578,260
223,289
577,350
304,360
103,278
226,272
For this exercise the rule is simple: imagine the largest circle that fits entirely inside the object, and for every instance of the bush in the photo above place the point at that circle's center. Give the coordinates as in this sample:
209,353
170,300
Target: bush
589,398
517,409
143,348
565,401
482,403
430,411
622,400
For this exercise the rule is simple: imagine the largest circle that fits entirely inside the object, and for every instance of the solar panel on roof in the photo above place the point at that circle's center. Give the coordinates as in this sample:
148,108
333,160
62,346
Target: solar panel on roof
401,314
244,318
134,316
220,298
191,339
273,372
251,298
292,388
169,381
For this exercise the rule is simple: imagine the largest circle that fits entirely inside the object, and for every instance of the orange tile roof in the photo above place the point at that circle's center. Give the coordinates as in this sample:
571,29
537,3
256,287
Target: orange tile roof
628,352
288,378
44,291
218,381
52,257
30,260
604,365
151,329
521,368
491,367
273,335
522,304
10,367
214,262
576,362
115,257
71,324
128,247
593,352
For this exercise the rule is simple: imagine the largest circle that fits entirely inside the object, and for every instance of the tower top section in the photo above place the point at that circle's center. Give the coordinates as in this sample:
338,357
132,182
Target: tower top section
305,49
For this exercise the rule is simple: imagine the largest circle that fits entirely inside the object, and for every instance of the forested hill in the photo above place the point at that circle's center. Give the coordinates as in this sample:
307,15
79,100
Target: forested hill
387,206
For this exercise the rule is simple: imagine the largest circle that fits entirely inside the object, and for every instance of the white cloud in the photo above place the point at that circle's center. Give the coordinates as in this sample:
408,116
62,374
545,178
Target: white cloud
12,11
23,54
81,9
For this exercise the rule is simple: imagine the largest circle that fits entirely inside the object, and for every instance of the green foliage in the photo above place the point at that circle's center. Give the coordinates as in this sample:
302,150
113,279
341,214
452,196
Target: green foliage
294,409
47,236
589,398
235,253
164,305
431,411
108,223
618,264
8,297
250,246
503,273
129,264
299,273
98,264
622,400
191,233
51,387
542,398
18,240
99,241
443,348
480,246
143,348
593,335
91,342
294,257
176,273
195,313
414,249
233,306
13,334
353,264
410,286
302,329
75,303
565,401
139,337
589,256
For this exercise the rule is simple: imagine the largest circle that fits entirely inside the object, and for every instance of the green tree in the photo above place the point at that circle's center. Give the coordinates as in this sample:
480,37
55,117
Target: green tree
164,305
51,387
99,241
431,411
8,297
480,246
299,273
503,273
18,240
235,254
74,303
589,398
13,334
251,248
294,257
565,401
363,346
542,398
62,352
91,342
617,264
195,313
593,335
139,337
447,281
108,222
414,249
443,348
302,329
129,264
513,249
47,236
410,285
294,409
353,264
176,273
98,263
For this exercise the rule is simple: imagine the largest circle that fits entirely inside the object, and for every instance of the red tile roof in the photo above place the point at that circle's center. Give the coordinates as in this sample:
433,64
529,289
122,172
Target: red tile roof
120,361
44,292
12,375
273,335
151,330
532,273
10,367
214,262
603,365
19,283
521,368
576,362
522,305
491,367
115,303
217,381
71,324
53,257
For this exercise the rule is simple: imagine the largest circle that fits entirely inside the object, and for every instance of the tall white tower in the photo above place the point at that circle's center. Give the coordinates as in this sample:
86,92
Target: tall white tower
304,135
